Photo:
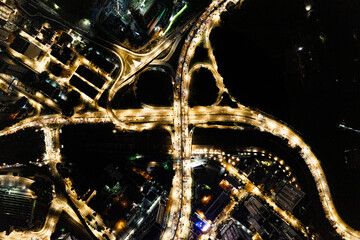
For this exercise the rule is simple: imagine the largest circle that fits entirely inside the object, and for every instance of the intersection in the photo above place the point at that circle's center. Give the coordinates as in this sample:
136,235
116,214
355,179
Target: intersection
179,120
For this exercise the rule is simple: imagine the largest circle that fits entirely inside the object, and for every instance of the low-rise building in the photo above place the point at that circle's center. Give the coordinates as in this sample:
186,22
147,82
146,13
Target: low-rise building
288,196
23,46
5,11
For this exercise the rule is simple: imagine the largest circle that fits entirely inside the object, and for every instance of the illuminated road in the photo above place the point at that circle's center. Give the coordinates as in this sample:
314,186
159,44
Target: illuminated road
176,118
262,121
37,99
201,116
51,158
251,188
58,205
228,161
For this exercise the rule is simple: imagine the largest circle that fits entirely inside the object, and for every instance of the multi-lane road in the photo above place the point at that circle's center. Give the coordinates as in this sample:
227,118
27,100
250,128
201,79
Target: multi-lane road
203,115
176,118
200,116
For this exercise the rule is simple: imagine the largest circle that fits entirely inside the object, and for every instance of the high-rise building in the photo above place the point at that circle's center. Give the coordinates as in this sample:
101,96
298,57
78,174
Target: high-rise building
234,231
217,206
152,224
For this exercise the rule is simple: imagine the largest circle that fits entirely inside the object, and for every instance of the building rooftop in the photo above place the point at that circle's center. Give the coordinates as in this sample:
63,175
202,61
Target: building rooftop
232,231
288,196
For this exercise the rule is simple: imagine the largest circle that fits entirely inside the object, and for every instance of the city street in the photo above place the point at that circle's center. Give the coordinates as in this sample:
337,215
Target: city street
179,120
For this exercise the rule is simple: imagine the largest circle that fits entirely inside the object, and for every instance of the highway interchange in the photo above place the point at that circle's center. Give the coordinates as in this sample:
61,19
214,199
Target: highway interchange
176,120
